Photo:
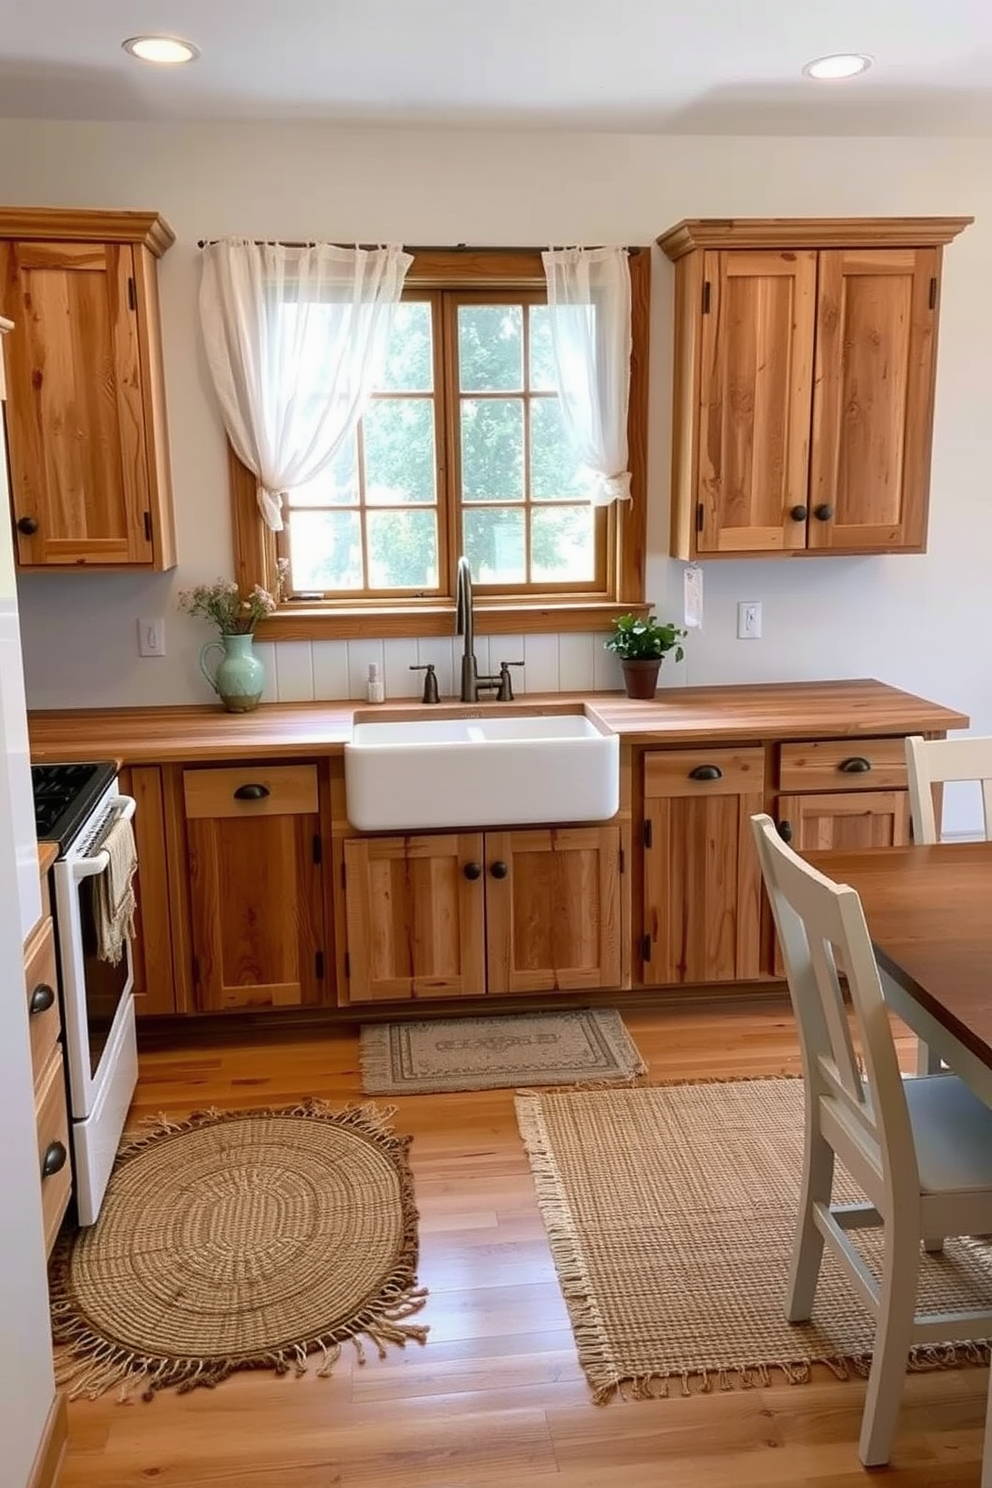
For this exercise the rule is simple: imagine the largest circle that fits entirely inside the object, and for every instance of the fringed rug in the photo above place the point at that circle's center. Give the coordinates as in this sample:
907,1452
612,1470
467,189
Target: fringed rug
567,1048
240,1240
670,1215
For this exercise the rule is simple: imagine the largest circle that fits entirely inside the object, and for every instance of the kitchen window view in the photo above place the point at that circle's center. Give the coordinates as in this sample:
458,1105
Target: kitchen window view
461,450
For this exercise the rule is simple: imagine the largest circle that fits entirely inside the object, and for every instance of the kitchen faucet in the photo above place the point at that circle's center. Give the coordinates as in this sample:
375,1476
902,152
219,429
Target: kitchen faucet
472,683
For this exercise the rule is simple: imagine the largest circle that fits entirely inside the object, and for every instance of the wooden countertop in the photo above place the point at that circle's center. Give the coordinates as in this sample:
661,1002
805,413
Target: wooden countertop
781,710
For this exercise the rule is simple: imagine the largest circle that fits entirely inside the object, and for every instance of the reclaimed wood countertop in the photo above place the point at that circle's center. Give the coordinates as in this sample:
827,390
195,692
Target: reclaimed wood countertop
779,710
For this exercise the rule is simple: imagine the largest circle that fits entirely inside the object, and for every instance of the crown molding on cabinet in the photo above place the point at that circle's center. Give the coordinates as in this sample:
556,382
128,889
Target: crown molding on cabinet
809,232
82,225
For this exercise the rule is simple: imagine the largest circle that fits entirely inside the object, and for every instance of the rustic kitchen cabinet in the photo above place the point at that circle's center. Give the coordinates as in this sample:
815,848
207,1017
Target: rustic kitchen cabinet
464,914
86,420
805,355
702,881
48,1068
843,793
256,887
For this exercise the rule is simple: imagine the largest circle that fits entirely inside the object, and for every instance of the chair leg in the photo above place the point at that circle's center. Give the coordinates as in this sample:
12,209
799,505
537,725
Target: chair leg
807,1248
893,1335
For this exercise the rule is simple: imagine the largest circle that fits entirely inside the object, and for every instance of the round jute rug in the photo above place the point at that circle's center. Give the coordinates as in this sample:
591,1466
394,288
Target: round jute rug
240,1240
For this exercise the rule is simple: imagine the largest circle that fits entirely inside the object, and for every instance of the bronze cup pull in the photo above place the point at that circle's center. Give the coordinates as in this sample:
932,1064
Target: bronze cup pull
251,793
706,772
856,765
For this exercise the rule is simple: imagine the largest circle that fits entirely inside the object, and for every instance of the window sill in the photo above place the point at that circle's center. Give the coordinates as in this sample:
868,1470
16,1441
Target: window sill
303,623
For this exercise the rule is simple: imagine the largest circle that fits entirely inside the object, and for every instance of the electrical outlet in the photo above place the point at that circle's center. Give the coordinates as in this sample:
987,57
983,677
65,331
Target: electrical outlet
151,637
749,620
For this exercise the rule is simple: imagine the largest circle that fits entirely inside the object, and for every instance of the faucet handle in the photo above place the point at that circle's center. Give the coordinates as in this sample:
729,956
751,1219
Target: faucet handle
431,694
505,691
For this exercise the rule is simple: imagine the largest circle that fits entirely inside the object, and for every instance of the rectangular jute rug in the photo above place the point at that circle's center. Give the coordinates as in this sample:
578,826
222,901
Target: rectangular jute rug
670,1214
566,1048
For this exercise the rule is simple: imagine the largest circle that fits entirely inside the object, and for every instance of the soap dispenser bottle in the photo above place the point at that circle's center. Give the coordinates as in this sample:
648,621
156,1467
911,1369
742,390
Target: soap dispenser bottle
376,690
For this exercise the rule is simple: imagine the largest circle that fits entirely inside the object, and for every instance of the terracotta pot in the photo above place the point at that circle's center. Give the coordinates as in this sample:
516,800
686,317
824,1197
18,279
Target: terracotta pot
640,678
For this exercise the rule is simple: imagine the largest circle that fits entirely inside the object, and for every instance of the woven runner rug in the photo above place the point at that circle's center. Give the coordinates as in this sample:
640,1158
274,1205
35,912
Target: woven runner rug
566,1048
670,1212
240,1240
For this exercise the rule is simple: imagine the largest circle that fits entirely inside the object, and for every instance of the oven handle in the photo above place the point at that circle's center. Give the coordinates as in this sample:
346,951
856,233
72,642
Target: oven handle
90,867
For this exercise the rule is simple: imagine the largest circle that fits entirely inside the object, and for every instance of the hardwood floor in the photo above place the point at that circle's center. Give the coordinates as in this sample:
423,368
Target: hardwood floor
496,1395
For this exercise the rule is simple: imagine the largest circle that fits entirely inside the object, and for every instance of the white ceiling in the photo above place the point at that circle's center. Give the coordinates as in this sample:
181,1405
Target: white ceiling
656,66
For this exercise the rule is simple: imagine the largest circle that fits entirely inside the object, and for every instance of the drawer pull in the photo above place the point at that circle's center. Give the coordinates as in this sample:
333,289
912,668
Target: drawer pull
499,870
856,765
706,772
472,871
251,793
798,514
42,999
54,1160
785,831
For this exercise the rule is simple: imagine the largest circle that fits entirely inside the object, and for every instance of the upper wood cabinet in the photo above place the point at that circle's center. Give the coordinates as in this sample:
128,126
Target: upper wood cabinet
86,423
805,354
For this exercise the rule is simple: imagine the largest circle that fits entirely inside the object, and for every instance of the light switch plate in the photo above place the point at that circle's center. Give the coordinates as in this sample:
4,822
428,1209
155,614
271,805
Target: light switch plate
749,620
151,637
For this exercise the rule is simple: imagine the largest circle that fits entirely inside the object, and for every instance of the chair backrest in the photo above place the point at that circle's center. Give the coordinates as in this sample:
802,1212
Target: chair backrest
821,925
932,762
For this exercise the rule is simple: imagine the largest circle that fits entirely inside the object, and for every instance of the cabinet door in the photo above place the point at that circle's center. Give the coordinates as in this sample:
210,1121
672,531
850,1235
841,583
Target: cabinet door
415,911
553,909
75,412
849,820
154,985
256,887
702,880
873,406
756,374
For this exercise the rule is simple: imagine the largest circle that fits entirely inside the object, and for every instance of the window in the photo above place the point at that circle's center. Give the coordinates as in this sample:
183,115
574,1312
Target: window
461,450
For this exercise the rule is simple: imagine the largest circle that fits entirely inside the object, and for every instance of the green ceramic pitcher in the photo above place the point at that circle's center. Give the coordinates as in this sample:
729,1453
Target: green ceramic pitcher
239,676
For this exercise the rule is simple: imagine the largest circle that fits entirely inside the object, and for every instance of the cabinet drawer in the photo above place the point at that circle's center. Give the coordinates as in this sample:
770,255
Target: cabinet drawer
843,764
53,1145
41,985
688,772
262,790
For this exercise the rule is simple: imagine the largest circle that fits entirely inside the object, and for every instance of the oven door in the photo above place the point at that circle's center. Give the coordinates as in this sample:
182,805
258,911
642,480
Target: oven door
96,996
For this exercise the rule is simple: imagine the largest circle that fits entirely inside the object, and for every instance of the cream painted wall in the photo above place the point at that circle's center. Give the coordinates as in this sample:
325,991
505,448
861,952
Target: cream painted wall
919,622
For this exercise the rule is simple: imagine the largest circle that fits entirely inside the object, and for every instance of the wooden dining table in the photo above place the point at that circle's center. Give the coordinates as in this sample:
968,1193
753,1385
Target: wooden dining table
929,915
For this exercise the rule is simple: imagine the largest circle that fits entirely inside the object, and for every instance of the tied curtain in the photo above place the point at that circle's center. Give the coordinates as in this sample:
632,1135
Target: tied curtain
589,311
296,339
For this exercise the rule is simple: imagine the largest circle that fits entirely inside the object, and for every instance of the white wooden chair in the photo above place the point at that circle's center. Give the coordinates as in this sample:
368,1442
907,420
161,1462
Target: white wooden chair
931,762
920,1149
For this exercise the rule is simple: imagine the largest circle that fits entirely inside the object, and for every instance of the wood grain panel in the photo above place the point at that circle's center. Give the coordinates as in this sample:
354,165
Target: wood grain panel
754,400
53,1126
290,790
873,409
257,911
154,982
702,889
415,920
40,971
819,765
553,919
846,820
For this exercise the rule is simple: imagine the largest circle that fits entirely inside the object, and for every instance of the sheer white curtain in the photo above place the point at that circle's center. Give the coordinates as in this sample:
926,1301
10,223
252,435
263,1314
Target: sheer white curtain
295,340
589,305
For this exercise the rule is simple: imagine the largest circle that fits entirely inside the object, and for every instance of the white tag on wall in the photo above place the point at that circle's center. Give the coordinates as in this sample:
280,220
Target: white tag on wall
693,597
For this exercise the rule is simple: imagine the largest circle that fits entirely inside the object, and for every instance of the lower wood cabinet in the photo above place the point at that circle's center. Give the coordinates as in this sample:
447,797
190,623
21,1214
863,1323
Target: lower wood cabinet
438,915
48,1070
256,887
702,881
819,822
151,949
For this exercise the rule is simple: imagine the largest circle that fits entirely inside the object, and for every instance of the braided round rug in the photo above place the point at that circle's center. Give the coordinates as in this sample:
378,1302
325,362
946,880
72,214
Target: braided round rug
240,1240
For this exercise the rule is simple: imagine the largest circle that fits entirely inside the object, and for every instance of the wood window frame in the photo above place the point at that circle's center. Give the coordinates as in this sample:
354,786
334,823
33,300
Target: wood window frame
255,544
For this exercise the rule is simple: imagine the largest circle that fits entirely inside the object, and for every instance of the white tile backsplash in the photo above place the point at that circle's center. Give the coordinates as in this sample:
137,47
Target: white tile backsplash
266,653
294,671
361,653
576,661
541,671
330,669
401,655
606,670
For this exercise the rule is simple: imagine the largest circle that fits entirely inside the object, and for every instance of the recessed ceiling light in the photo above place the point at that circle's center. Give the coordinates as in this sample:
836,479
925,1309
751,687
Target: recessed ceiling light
838,65
167,51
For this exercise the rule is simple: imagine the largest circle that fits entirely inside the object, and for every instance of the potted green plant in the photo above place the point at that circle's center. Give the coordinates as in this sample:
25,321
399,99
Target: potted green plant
642,644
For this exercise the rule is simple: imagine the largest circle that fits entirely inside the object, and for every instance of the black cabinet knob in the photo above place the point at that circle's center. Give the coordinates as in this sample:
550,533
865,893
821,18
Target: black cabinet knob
53,1160
823,513
41,999
251,792
799,513
706,772
27,525
472,871
785,831
856,765
499,869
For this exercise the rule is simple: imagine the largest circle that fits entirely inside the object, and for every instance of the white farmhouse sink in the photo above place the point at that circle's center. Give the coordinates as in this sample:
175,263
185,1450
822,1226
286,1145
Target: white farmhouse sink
497,770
